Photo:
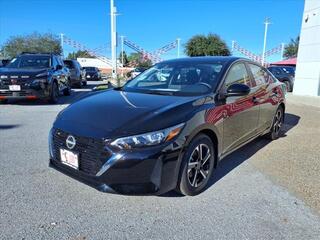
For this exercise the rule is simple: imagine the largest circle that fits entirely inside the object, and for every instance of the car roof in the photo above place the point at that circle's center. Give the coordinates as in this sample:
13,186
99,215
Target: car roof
207,59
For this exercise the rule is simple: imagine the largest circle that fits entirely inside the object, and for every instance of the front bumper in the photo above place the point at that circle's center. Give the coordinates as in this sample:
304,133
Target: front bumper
149,171
24,93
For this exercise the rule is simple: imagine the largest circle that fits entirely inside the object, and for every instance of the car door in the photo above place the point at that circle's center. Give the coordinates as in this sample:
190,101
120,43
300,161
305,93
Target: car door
264,92
242,113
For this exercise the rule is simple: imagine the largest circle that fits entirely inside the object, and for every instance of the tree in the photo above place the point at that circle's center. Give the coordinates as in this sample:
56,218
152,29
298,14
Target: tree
125,58
291,49
210,45
34,42
79,54
137,60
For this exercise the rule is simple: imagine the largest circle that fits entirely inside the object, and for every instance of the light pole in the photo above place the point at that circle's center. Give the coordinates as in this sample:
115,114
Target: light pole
178,47
122,40
282,50
266,23
61,43
113,39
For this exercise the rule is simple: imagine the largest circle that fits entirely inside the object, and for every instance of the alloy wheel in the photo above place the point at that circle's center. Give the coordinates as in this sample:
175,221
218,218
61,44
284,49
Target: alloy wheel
199,165
278,121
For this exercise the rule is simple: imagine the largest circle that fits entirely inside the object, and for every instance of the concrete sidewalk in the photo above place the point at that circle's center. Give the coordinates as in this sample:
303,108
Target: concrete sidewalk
303,100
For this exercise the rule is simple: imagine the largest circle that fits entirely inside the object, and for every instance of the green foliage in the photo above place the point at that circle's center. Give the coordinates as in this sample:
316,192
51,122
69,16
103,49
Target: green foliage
137,60
291,49
210,45
79,54
35,42
125,58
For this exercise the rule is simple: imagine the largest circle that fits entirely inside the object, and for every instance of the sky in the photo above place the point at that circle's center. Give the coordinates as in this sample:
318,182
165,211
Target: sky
154,23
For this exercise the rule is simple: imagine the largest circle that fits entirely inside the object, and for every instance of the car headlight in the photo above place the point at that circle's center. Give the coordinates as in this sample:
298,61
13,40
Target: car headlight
3,77
50,139
148,139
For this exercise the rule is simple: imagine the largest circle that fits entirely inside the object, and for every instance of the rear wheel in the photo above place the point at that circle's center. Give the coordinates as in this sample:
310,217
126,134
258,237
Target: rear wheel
276,125
3,101
54,94
288,86
197,166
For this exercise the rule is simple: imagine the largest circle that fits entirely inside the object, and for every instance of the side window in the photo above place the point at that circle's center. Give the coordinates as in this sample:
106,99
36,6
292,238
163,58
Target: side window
238,74
259,74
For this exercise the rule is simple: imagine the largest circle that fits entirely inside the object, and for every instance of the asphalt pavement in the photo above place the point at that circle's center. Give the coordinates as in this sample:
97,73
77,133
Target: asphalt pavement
245,199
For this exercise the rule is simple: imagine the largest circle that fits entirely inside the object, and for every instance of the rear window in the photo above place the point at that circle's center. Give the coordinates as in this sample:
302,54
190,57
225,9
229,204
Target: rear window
68,64
90,68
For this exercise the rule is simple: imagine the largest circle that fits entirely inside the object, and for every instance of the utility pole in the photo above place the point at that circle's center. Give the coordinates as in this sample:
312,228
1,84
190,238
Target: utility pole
61,43
122,40
113,39
178,47
266,23
232,46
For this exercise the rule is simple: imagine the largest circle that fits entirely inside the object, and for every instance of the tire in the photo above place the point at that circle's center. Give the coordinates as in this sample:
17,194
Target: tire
277,123
196,171
67,91
3,101
54,94
288,86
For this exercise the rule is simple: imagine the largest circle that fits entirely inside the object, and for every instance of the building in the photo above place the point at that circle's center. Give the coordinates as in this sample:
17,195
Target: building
307,79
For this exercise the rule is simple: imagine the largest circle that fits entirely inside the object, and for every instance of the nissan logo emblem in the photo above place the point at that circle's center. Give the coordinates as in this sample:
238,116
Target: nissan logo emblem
71,142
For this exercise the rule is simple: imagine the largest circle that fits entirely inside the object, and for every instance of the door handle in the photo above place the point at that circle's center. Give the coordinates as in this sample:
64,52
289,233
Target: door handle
255,100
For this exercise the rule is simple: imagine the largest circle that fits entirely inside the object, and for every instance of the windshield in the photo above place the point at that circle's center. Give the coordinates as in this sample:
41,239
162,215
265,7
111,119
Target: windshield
30,62
177,78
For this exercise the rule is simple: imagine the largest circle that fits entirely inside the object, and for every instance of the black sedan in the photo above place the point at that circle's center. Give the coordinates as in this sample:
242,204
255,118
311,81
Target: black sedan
169,127
92,73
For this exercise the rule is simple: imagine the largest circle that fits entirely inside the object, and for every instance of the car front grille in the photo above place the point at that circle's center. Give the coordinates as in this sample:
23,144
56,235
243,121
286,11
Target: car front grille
92,154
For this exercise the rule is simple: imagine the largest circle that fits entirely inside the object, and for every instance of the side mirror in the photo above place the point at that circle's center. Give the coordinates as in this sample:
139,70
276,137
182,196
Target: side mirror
58,67
237,89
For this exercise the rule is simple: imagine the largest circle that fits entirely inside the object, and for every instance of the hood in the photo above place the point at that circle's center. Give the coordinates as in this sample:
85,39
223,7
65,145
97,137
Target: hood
21,73
112,113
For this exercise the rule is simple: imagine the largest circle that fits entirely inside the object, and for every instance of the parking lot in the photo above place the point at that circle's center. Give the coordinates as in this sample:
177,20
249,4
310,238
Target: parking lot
266,190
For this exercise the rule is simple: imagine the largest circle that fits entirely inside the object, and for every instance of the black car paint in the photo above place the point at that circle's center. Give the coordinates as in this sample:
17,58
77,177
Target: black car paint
26,78
114,113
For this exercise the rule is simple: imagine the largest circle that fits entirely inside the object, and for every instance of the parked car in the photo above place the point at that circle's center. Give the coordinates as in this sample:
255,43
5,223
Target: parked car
284,74
77,75
4,62
135,72
152,136
93,73
32,76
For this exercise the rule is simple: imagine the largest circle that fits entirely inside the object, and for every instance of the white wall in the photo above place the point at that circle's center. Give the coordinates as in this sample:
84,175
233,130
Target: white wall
93,62
307,80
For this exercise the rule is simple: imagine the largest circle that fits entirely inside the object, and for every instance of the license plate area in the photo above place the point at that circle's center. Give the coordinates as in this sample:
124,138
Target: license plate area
69,158
14,87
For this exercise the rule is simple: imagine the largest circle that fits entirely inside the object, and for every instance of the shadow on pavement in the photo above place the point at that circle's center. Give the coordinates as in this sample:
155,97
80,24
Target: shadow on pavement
76,93
6,127
236,158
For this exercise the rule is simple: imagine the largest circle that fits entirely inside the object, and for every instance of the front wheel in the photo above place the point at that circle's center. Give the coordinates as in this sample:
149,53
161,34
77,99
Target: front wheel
197,166
54,94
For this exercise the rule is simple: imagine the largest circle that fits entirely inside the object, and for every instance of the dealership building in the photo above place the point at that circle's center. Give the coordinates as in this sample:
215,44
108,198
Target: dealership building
307,80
